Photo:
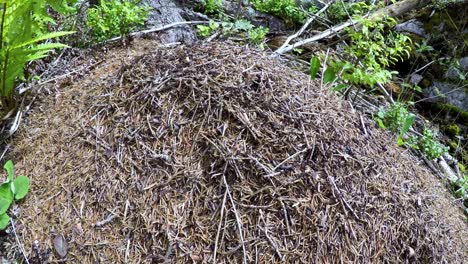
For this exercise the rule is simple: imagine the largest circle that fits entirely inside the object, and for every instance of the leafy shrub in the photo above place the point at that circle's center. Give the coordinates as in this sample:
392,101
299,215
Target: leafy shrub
397,118
285,9
115,18
256,35
15,188
24,28
341,11
371,50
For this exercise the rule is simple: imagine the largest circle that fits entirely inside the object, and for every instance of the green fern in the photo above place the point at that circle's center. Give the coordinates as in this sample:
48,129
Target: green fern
23,29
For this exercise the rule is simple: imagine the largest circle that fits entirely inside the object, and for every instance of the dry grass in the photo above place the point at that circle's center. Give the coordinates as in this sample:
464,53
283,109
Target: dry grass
217,153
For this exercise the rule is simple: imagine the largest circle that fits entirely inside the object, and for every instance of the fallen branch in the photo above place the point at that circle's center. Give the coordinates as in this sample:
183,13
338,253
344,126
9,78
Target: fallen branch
152,30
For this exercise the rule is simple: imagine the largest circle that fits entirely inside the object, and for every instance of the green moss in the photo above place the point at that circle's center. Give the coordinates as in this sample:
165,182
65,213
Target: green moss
458,114
453,145
452,130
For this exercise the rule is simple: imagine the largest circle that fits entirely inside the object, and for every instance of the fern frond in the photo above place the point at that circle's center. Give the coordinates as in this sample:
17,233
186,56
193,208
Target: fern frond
43,37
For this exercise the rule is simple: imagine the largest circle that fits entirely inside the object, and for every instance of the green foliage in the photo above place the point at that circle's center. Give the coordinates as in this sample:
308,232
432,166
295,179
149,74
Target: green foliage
461,188
212,6
329,75
285,9
115,18
372,49
23,31
314,67
14,188
412,87
341,11
394,118
397,118
423,47
206,31
429,145
256,35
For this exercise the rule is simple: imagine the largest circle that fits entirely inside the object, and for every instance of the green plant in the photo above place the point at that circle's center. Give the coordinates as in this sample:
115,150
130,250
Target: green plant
371,50
396,118
461,188
23,29
212,6
285,9
206,31
412,87
340,11
115,18
423,47
429,145
13,189
257,35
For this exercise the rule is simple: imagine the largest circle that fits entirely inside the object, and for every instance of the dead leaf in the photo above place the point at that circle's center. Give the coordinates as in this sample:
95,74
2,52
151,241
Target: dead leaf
60,245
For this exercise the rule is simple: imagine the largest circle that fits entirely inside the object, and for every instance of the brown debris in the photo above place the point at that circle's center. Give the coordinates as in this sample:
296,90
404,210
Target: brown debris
183,154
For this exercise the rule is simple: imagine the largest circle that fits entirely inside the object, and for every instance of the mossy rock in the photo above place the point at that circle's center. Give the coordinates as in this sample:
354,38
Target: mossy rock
458,114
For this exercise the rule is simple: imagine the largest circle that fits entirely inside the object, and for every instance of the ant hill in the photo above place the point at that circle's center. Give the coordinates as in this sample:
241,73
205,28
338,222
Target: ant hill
215,153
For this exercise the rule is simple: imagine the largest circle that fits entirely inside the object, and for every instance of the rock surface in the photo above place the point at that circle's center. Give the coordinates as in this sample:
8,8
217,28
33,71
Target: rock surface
164,12
449,93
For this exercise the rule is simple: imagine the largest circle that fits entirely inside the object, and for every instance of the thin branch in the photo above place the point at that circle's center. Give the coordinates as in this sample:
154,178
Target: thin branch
18,241
223,205
303,28
152,30
238,220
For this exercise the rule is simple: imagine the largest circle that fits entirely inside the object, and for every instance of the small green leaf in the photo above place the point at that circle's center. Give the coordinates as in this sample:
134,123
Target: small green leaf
409,120
314,67
21,184
4,221
400,141
340,87
10,170
6,197
380,123
329,75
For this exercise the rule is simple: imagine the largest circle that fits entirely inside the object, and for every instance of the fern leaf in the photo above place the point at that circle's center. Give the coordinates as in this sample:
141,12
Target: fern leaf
43,37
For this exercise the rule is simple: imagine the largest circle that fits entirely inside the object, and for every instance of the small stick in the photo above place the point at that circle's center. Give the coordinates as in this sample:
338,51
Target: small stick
219,226
290,157
107,220
363,126
17,241
340,195
265,230
239,223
